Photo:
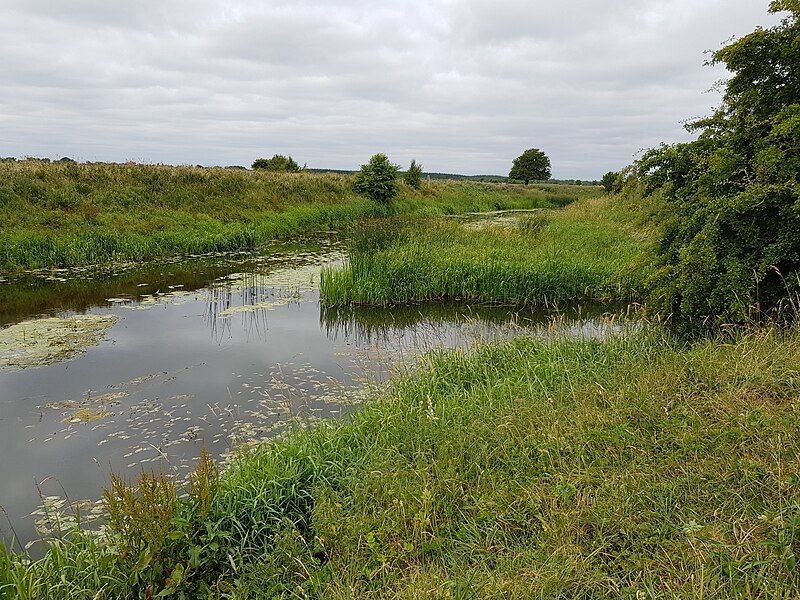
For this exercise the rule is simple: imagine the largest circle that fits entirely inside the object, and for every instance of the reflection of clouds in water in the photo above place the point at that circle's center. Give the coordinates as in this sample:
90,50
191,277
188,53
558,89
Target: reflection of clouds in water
249,295
275,361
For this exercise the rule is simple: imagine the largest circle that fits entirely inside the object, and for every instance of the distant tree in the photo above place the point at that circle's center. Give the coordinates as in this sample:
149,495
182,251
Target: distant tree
531,165
66,159
413,176
377,179
278,164
609,179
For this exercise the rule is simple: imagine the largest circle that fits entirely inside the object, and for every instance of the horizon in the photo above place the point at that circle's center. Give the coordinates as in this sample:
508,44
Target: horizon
458,86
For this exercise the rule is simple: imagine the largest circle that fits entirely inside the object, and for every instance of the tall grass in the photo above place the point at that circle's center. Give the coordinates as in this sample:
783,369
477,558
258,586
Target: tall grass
77,214
630,467
584,252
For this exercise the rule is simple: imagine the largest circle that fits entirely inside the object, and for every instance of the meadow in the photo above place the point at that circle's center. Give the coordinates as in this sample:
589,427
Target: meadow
67,214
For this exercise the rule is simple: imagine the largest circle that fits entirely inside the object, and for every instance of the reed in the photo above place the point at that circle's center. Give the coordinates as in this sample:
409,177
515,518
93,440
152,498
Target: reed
583,253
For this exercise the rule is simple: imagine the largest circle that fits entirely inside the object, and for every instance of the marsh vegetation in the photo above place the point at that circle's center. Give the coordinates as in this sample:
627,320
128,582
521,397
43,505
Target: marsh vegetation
648,448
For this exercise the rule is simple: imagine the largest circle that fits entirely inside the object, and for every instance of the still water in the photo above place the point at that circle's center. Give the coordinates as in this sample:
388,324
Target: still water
211,352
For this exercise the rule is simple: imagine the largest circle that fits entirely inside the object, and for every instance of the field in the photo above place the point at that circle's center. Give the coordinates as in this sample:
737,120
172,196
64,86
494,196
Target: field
57,215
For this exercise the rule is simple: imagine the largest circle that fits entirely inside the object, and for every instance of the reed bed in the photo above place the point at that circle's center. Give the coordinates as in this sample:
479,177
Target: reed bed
581,253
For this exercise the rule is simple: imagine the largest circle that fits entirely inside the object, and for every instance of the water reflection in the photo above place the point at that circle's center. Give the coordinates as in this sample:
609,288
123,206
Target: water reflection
370,325
209,352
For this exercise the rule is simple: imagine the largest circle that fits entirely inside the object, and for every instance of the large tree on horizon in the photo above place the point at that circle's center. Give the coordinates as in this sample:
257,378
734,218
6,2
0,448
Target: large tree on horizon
531,165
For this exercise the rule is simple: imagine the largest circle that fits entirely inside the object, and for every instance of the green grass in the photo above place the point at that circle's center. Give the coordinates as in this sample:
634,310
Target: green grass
79,214
631,467
591,250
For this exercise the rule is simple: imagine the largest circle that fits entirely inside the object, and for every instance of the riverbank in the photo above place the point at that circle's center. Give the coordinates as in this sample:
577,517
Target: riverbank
636,465
595,249
79,214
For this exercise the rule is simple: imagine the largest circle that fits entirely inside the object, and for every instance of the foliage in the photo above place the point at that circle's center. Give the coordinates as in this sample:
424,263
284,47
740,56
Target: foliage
584,252
609,180
413,177
277,164
377,179
531,165
61,214
731,247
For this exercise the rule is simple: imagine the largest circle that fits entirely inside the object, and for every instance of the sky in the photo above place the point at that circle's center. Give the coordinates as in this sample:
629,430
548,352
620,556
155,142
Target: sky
462,86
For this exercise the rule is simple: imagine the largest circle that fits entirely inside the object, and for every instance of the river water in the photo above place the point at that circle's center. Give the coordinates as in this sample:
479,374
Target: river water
213,351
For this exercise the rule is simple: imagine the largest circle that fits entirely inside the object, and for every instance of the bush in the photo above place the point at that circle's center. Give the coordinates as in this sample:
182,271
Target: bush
278,164
377,179
608,181
731,245
413,177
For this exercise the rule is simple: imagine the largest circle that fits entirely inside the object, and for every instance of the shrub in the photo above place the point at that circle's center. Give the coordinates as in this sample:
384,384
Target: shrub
608,181
278,164
413,177
377,179
731,245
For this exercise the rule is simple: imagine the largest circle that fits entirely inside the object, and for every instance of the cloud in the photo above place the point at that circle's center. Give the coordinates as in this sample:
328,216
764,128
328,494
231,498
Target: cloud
460,85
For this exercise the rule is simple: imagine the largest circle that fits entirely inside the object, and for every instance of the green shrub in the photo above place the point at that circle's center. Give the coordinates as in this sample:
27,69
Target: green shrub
413,177
608,181
277,164
377,179
731,244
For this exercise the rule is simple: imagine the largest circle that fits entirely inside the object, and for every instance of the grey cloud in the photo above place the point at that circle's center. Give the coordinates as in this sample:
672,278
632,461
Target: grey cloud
461,85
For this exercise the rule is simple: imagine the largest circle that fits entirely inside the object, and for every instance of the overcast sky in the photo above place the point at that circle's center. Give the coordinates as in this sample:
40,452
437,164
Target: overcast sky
461,85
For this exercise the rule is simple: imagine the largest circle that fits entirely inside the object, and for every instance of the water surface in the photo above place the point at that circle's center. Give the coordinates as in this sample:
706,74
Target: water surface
208,352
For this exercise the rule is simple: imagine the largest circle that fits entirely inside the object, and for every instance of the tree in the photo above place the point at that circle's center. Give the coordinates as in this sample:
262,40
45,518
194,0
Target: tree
531,165
413,176
278,164
609,179
377,179
731,244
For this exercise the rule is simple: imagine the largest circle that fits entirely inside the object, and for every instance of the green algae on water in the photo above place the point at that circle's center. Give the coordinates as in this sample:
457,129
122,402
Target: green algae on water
39,342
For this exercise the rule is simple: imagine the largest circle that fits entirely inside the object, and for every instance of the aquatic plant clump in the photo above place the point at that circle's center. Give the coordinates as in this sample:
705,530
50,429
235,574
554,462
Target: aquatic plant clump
44,341
583,253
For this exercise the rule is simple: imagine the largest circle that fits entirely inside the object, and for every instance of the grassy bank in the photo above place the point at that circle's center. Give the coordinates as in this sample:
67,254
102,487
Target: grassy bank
78,214
591,250
631,467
